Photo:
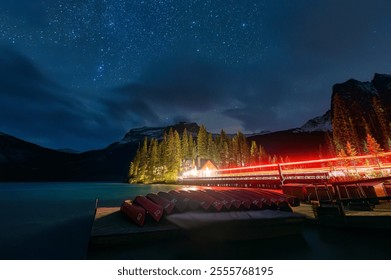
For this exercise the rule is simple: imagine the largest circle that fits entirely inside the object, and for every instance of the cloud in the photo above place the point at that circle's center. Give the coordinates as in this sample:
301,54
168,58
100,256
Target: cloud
35,108
121,107
248,94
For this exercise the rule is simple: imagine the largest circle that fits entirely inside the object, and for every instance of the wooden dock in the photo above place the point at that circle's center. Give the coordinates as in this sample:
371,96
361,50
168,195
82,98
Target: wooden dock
378,217
111,227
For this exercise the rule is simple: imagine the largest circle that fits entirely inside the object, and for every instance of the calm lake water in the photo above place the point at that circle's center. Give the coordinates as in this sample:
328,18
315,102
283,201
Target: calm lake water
53,221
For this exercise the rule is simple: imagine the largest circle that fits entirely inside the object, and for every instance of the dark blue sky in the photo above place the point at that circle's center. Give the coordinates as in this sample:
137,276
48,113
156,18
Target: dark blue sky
79,74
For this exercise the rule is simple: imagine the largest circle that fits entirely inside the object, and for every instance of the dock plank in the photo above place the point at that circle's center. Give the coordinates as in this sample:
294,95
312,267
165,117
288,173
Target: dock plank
111,227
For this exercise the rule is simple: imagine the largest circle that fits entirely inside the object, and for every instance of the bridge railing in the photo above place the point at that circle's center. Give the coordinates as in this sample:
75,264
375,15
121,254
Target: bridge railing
340,169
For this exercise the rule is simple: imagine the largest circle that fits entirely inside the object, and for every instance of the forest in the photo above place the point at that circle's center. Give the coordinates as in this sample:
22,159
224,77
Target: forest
162,161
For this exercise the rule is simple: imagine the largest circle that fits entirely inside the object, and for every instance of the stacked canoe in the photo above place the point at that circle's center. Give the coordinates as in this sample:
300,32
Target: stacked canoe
216,200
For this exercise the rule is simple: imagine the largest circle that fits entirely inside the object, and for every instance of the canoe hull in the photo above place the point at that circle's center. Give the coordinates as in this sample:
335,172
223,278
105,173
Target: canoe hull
134,212
153,209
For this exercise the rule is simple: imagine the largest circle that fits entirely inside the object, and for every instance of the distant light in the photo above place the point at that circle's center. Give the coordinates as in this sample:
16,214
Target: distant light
192,188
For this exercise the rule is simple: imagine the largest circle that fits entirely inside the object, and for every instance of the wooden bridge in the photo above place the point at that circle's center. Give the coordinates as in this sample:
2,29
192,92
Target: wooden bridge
346,178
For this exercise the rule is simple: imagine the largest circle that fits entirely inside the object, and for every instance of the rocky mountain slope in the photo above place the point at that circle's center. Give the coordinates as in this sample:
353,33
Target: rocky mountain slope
361,107
321,123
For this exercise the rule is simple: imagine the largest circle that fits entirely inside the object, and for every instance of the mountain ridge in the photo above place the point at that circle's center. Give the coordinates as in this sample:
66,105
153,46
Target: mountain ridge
24,161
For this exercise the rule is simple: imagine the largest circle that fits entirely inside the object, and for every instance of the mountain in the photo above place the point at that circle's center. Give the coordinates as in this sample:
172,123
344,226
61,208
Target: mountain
24,161
137,135
308,141
21,160
358,108
70,151
321,123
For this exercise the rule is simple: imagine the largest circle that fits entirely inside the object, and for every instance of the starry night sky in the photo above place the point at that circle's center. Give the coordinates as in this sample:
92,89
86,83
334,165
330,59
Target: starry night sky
80,74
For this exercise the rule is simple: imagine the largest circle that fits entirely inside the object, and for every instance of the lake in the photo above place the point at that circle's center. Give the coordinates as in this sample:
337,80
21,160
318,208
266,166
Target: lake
54,220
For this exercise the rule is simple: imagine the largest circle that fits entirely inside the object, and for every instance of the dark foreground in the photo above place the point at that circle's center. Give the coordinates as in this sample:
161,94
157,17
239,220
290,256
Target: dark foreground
308,241
313,243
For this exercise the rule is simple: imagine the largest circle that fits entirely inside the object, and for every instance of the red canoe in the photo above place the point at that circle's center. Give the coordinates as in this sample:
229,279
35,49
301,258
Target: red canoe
274,197
224,200
245,202
292,200
167,205
214,202
274,200
200,200
180,205
232,202
256,202
134,212
264,198
192,204
267,200
153,209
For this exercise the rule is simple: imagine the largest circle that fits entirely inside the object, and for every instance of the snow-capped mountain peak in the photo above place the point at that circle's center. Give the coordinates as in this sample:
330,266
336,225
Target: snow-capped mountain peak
320,123
138,134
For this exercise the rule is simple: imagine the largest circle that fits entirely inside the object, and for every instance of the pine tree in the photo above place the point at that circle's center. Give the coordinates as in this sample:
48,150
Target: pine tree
153,166
341,153
163,154
244,149
341,123
178,156
254,154
224,153
343,162
223,149
185,145
384,128
374,148
353,137
330,149
263,156
211,148
202,142
139,165
351,152
192,148
240,149
170,152
134,167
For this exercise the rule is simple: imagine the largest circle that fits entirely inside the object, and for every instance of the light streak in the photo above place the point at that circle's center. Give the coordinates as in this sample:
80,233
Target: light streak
305,162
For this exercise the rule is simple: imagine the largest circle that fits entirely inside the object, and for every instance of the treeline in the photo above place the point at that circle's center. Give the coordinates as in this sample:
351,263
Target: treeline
360,134
162,161
369,147
353,125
